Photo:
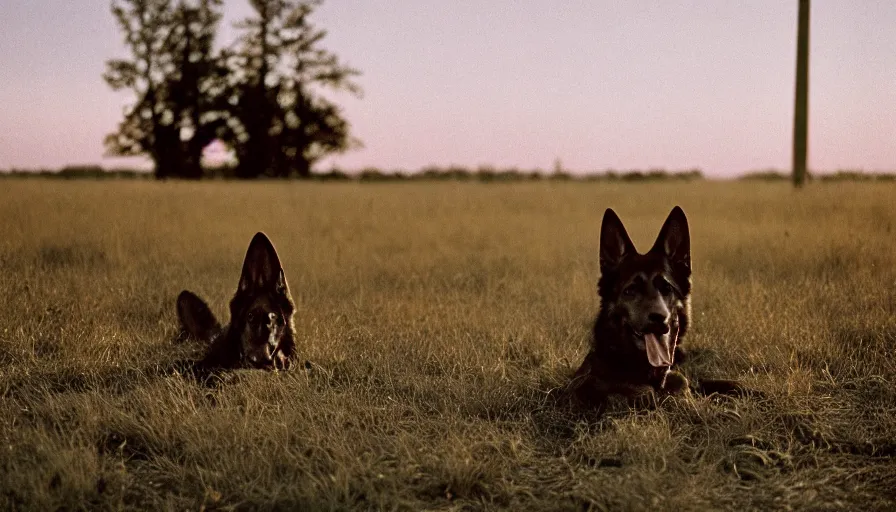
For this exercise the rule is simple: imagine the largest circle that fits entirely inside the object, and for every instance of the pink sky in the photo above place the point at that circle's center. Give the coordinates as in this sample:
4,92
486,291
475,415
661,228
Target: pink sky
519,83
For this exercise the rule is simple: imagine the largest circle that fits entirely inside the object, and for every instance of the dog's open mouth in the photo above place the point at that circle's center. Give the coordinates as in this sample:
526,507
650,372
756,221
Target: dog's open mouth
660,343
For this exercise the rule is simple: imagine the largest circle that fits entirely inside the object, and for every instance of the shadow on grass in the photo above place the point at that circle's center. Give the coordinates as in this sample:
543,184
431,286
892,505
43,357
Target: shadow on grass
112,381
68,256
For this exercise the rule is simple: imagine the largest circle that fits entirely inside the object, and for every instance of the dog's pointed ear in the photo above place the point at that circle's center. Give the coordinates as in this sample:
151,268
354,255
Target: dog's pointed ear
615,244
674,240
261,268
195,317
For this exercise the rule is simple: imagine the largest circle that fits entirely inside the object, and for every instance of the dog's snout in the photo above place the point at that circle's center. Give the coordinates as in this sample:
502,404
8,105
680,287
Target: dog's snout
658,323
259,358
657,318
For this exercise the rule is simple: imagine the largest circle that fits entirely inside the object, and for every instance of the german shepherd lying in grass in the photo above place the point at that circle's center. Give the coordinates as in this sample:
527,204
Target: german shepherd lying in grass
261,333
645,306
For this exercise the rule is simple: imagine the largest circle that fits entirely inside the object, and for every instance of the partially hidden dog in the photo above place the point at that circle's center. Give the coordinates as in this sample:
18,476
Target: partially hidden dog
645,306
261,333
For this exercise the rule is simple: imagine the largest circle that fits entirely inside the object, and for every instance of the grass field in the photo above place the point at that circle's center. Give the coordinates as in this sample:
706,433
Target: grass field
437,319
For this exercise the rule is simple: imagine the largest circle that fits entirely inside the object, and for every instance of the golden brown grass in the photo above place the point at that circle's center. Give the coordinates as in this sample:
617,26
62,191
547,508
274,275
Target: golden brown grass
437,320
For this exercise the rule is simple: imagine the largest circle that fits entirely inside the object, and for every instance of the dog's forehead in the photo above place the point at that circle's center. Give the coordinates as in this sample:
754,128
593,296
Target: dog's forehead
643,264
263,301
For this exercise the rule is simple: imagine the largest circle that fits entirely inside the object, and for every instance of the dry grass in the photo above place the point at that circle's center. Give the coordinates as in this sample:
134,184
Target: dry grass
437,319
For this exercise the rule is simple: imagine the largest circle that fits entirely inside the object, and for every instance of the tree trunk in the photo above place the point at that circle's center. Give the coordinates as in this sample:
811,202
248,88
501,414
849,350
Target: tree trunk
302,166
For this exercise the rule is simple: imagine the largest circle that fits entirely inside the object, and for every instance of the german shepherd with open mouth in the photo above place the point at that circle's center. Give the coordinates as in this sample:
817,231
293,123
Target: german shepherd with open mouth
261,333
645,306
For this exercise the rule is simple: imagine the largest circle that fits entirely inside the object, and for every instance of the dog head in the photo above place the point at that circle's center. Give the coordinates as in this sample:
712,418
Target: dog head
262,309
647,295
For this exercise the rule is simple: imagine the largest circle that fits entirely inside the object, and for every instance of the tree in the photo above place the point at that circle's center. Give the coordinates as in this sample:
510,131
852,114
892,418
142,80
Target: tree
177,81
281,123
801,102
197,88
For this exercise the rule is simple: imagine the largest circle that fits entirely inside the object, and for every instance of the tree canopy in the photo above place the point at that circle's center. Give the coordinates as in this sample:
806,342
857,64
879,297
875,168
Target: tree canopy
263,95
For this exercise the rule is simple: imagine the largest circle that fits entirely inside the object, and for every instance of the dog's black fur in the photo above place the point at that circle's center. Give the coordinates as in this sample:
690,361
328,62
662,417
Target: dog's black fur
645,301
261,333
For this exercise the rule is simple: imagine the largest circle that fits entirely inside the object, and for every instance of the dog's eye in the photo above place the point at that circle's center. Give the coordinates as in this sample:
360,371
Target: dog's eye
630,291
251,318
663,286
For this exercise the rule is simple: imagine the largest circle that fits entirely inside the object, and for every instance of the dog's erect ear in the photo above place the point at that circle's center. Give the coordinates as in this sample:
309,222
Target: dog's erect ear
195,317
261,268
674,240
615,244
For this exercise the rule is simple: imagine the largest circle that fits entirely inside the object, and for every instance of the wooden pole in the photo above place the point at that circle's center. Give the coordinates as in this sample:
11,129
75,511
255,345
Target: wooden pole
801,104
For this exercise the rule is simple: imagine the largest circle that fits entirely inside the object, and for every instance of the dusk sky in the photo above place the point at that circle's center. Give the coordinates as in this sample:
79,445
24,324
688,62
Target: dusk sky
596,84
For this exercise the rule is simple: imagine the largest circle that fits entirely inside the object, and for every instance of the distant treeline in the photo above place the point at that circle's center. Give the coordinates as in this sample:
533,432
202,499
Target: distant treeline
77,172
840,175
493,174
432,173
457,173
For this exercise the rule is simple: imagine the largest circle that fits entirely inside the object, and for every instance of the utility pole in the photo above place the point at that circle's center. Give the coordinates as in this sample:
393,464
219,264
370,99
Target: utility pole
801,104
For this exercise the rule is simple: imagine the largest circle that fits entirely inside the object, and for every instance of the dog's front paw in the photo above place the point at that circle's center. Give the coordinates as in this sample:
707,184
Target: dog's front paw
675,383
281,362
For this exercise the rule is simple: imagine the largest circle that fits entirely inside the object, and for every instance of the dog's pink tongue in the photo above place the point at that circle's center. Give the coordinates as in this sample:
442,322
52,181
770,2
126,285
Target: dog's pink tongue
657,351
